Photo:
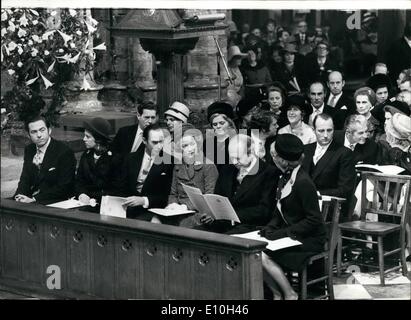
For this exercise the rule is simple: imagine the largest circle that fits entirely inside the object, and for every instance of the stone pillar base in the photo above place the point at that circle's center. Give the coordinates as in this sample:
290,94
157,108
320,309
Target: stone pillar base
81,101
114,97
149,89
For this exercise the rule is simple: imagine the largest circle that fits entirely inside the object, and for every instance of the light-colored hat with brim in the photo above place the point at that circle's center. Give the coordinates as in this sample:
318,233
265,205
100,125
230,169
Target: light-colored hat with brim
179,111
399,126
289,47
234,51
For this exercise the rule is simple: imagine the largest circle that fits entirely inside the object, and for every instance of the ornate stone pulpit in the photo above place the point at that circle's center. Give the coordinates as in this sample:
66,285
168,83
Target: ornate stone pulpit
169,36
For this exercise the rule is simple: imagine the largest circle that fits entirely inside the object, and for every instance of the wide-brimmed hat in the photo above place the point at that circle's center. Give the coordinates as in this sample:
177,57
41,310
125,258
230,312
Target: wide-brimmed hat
296,101
221,108
234,51
100,128
290,47
379,81
396,106
179,111
399,126
289,147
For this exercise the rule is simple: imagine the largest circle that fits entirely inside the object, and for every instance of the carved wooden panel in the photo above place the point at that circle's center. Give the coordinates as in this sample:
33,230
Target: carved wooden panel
127,267
55,249
102,264
10,253
79,256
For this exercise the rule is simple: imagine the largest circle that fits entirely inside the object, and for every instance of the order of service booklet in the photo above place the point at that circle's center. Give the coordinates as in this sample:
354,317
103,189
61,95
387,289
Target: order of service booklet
386,169
272,245
217,206
113,206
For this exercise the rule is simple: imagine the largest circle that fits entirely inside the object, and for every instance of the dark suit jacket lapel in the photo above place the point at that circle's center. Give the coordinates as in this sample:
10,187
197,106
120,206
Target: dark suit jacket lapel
48,157
132,134
324,161
137,159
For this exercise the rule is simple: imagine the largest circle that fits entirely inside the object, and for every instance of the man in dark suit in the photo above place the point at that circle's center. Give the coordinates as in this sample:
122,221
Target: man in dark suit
129,139
317,95
48,169
301,35
342,103
330,165
249,183
354,137
319,64
290,72
146,176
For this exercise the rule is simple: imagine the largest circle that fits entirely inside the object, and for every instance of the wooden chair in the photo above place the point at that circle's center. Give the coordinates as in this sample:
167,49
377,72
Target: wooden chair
386,202
331,209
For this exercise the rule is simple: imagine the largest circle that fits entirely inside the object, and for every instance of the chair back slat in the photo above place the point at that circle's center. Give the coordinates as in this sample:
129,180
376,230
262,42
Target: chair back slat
385,203
390,194
331,215
396,197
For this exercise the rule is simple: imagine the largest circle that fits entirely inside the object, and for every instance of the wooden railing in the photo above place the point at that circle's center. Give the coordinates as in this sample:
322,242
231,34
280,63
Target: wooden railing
114,258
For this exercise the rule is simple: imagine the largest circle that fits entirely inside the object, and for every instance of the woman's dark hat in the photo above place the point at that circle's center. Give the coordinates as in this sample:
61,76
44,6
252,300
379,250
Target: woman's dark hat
100,128
396,106
379,81
296,101
289,147
220,107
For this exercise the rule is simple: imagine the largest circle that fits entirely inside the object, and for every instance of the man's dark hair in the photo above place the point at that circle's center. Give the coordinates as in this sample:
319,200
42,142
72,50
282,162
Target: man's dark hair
280,32
324,116
317,82
262,120
151,127
35,118
146,105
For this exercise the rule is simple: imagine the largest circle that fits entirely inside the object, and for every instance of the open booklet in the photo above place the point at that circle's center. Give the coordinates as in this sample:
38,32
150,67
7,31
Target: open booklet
272,245
170,212
217,206
113,206
387,169
67,204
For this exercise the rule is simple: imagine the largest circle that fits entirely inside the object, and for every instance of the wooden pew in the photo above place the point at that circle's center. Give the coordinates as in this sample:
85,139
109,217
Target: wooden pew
114,258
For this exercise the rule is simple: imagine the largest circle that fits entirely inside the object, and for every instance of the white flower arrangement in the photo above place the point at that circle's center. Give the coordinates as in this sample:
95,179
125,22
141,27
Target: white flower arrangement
34,42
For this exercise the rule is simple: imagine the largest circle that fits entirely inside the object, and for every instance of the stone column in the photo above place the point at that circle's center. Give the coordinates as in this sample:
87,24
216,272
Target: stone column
202,83
142,68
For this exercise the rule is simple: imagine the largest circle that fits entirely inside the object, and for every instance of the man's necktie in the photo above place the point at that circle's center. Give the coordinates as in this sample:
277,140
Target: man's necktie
37,158
318,154
332,101
312,116
137,141
144,173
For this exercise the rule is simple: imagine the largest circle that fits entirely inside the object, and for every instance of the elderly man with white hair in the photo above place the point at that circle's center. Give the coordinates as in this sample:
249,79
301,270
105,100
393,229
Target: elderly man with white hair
355,137
249,183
